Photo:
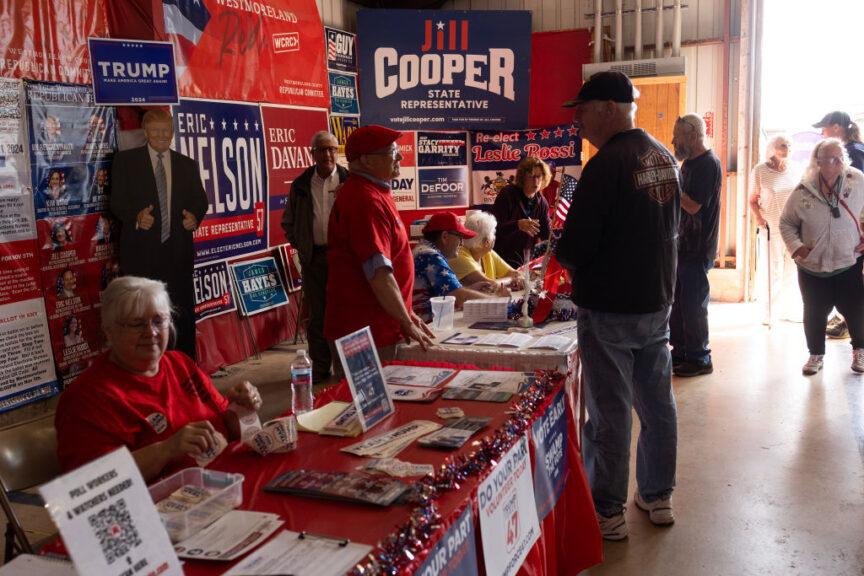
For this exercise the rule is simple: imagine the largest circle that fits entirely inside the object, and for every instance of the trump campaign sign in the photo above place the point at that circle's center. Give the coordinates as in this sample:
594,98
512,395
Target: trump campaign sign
440,69
133,72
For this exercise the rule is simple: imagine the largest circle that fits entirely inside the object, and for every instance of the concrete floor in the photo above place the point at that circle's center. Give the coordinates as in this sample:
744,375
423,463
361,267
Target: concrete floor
770,463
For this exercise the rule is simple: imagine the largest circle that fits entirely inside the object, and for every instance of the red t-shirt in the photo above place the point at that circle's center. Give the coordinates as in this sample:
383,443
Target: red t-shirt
107,407
364,221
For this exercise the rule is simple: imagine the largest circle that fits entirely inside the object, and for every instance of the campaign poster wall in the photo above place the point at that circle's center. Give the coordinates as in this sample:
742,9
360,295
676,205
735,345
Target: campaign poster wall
455,553
42,42
26,368
259,285
72,142
249,51
343,93
508,514
212,286
445,70
496,155
288,137
341,50
226,139
403,188
551,464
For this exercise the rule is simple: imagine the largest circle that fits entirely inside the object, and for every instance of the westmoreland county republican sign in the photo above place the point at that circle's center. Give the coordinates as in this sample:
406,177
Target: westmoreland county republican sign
133,72
445,70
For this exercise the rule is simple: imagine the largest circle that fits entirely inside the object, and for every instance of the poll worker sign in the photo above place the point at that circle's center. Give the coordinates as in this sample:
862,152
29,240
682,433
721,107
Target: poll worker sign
108,521
133,72
508,513
212,290
454,554
551,465
440,70
259,285
226,140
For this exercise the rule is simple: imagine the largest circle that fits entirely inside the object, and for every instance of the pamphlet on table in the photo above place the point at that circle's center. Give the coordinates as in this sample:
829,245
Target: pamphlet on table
487,380
391,443
455,433
230,537
306,555
346,486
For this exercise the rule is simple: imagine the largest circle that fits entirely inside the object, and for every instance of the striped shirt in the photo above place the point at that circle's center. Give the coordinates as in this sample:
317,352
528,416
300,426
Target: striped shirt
773,189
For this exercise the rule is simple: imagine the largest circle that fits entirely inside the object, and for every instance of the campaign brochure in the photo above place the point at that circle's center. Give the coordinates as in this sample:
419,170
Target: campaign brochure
487,380
455,433
365,378
345,486
230,537
415,383
506,340
478,395
391,443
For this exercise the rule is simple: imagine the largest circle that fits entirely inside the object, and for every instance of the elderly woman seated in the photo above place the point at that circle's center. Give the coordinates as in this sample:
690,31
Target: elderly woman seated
476,261
157,403
433,277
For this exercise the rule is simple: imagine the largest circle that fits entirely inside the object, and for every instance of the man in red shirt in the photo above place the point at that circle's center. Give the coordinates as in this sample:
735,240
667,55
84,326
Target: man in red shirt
371,269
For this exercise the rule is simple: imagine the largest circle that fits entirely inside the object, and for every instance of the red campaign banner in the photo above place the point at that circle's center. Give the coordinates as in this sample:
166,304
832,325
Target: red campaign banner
231,226
47,39
556,74
287,137
249,51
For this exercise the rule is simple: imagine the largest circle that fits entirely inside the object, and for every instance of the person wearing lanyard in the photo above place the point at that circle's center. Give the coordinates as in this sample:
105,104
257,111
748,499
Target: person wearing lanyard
821,226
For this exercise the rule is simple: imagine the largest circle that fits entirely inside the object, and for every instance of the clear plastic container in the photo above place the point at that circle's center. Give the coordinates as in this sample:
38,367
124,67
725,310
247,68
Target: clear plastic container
301,383
226,493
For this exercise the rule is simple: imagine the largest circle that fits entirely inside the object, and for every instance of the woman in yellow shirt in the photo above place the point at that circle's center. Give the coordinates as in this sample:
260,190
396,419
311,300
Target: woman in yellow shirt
476,260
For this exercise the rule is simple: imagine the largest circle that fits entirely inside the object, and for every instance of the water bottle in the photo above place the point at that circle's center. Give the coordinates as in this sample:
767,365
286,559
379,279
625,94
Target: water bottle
301,383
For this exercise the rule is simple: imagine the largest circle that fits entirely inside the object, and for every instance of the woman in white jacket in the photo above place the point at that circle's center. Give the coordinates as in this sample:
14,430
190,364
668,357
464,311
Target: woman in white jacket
821,226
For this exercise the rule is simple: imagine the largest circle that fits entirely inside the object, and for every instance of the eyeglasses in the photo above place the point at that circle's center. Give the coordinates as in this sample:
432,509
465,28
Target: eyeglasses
328,149
393,152
158,322
830,159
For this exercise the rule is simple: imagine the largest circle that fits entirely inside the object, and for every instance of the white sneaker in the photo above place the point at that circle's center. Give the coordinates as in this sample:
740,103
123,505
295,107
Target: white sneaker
614,527
659,511
814,365
858,360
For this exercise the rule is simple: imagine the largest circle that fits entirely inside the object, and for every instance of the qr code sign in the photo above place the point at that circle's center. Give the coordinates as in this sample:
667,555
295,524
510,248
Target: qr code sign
115,530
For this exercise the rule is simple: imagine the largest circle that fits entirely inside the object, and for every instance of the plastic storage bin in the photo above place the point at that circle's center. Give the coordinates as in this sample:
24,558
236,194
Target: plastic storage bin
226,493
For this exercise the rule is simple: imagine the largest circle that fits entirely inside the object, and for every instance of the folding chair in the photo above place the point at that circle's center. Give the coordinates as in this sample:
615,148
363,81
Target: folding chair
28,458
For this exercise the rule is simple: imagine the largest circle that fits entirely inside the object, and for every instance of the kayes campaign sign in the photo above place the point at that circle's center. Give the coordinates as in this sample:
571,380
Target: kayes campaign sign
227,142
440,69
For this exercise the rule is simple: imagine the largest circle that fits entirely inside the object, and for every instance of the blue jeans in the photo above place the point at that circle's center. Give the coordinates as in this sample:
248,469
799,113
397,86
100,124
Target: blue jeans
688,326
626,363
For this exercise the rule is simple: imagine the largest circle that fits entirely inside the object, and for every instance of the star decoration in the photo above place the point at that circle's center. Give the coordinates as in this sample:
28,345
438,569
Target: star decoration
256,125
440,25
235,124
572,131
246,125
558,132
224,124
211,124
531,135
544,134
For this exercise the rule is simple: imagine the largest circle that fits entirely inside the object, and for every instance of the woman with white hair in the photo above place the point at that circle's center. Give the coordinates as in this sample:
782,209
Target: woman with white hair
771,183
157,403
821,226
476,261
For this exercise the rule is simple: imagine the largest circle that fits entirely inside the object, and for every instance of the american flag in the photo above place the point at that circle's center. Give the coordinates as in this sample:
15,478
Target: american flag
185,21
568,186
331,49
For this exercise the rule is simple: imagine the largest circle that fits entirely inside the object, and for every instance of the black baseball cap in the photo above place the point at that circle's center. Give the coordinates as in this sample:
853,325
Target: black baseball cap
611,85
836,117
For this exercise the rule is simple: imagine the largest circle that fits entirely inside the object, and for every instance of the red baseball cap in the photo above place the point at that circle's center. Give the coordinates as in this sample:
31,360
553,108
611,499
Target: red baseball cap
449,222
369,139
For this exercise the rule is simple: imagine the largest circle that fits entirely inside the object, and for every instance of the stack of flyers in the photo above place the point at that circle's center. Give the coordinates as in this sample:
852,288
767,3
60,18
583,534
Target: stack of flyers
346,423
346,486
478,395
455,433
415,383
487,381
389,444
396,467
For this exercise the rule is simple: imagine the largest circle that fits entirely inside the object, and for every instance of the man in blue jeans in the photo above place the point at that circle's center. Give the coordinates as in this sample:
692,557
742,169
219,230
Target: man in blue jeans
701,178
619,246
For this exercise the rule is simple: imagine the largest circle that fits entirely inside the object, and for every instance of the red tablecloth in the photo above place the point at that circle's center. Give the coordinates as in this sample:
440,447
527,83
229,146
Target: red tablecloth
570,540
